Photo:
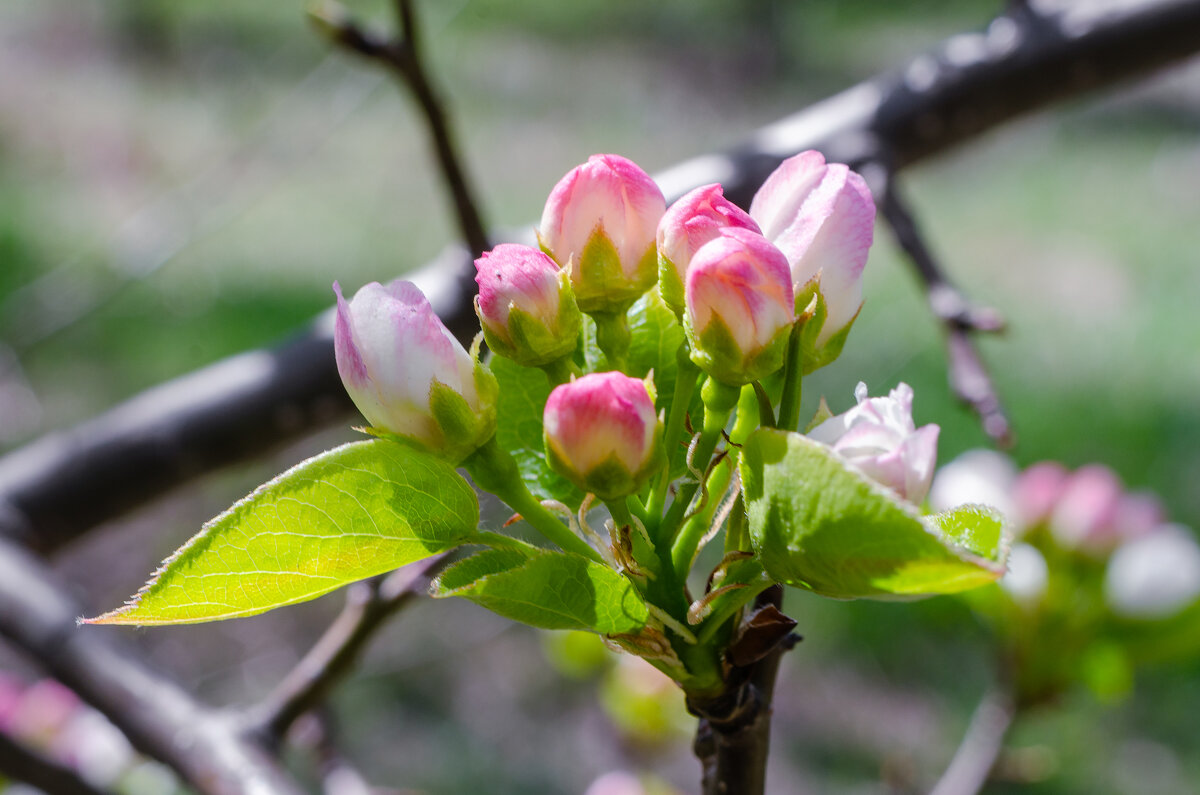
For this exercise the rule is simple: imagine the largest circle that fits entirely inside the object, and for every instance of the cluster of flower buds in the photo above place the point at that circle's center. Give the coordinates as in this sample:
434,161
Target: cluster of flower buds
607,237
1152,567
879,438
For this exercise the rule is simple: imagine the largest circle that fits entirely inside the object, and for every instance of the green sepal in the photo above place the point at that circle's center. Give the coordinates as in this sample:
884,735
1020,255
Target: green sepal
670,287
716,352
349,513
819,524
464,429
550,590
603,285
811,312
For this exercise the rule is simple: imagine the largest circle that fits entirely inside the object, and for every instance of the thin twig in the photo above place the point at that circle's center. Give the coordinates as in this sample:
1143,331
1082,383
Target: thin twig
22,763
968,375
368,606
203,746
980,747
402,55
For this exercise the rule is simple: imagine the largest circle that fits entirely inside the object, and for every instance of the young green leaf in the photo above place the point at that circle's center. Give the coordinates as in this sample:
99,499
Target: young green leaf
551,590
353,512
819,524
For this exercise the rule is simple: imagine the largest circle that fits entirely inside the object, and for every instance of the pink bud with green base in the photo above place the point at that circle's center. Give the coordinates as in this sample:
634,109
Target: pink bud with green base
526,306
822,216
600,222
879,438
740,307
689,223
602,434
407,373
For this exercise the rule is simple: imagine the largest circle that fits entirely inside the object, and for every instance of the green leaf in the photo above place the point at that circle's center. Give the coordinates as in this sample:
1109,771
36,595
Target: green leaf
353,512
521,403
818,523
551,590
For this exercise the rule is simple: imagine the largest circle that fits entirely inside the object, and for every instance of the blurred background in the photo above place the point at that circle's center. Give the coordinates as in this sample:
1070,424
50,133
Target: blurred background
183,181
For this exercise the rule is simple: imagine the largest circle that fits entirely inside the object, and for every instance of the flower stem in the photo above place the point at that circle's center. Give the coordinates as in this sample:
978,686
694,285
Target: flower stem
560,371
613,337
789,405
685,385
493,469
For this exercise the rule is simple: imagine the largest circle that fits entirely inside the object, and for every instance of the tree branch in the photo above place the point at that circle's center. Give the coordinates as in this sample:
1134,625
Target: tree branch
25,764
980,747
968,375
368,606
203,746
64,484
402,57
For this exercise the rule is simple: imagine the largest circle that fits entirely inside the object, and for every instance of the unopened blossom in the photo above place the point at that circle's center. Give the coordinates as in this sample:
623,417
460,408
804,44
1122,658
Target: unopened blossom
821,215
1156,575
982,477
1036,492
525,305
689,223
602,434
1095,513
600,222
878,437
407,373
1028,575
740,307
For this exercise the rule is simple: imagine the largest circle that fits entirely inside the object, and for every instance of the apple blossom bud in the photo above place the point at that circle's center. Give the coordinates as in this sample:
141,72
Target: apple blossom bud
1036,492
1028,575
692,221
525,305
740,307
982,477
879,438
822,217
600,222
1154,576
602,434
407,373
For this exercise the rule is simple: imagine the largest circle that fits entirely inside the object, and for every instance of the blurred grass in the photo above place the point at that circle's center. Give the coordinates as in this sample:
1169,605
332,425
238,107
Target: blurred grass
277,167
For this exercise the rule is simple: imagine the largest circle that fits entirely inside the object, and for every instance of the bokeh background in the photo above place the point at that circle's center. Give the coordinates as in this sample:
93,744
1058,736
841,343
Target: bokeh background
183,181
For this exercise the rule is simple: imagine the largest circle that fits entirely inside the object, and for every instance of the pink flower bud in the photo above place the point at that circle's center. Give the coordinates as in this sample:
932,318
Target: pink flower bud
1085,515
525,305
879,438
407,373
1036,492
602,434
740,307
689,223
600,221
822,217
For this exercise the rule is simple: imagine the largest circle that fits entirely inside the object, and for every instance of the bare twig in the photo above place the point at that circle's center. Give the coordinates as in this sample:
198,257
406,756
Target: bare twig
64,484
368,606
733,735
403,57
205,747
25,764
968,375
980,747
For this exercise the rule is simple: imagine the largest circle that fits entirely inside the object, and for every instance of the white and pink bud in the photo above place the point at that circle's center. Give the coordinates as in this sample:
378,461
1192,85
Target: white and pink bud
1095,513
602,434
407,373
879,438
600,222
1036,492
821,215
525,305
689,223
1154,576
740,307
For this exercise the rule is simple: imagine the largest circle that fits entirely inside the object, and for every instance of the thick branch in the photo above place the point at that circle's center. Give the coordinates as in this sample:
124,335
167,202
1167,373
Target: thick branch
25,764
980,747
66,483
204,747
368,606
